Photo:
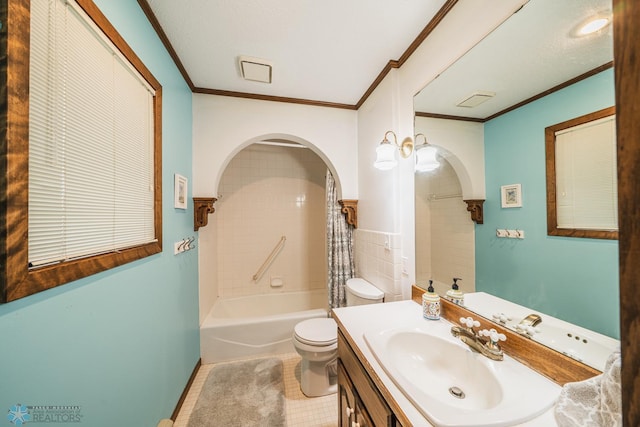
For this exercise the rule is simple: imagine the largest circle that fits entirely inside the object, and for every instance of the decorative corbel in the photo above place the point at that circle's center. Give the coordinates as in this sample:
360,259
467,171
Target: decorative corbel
202,207
350,209
475,207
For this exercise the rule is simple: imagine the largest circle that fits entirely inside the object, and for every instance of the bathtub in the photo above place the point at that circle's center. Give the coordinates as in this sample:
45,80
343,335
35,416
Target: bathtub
257,325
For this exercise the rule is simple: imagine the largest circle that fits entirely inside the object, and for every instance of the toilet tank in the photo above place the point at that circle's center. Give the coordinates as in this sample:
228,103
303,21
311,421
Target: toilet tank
361,292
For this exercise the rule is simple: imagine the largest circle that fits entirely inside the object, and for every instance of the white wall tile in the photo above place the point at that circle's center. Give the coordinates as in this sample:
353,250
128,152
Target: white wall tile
268,192
377,264
445,246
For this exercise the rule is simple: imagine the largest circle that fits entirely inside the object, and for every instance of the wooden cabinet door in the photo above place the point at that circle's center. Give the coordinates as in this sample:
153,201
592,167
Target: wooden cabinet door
364,388
347,398
362,416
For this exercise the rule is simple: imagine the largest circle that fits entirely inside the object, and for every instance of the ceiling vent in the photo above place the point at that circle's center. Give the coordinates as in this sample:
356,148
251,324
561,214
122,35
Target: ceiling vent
255,69
475,99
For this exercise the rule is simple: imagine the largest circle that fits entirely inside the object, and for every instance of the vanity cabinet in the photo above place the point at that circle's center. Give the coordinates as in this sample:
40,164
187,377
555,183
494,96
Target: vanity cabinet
352,411
360,403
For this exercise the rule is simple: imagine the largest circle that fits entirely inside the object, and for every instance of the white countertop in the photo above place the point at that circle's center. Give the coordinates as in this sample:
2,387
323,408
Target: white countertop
378,317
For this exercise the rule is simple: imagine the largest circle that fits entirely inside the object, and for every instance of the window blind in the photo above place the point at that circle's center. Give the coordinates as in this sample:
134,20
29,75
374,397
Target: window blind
586,176
91,159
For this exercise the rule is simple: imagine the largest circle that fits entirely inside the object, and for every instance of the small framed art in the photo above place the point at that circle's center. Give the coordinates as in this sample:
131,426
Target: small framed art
180,188
511,196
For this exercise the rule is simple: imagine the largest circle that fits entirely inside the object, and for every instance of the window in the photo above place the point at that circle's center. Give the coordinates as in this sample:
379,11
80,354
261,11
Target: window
582,187
89,137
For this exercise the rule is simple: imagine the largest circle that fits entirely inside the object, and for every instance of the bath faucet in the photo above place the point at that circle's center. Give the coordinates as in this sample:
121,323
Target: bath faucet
468,335
531,320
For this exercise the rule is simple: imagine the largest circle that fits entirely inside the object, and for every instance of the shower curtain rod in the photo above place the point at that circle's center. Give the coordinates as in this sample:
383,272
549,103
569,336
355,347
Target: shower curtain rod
281,144
444,196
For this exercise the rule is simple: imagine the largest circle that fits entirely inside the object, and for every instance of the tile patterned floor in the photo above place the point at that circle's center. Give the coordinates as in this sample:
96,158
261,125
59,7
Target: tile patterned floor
301,410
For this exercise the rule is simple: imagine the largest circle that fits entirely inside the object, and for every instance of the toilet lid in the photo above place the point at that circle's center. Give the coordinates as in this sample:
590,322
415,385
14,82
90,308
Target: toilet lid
320,332
364,289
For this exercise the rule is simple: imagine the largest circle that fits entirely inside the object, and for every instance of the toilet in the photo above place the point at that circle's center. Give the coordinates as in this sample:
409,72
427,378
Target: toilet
316,341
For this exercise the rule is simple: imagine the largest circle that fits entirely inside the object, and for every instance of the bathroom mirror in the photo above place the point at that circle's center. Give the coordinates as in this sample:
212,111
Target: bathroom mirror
533,71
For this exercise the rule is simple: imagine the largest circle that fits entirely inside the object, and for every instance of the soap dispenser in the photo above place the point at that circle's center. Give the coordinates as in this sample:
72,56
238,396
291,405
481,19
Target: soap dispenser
454,294
431,303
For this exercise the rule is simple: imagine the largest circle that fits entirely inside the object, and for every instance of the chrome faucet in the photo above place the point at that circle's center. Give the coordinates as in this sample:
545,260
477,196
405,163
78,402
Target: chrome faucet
468,335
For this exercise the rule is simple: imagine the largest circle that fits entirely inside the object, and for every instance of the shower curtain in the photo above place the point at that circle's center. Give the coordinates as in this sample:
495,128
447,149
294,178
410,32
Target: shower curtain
340,263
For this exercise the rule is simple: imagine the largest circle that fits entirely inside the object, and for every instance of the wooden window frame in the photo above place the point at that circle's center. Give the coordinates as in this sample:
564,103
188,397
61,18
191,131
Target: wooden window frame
550,154
16,279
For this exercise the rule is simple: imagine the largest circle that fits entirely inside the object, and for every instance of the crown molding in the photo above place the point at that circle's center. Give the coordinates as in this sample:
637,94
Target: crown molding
272,98
153,20
556,88
446,8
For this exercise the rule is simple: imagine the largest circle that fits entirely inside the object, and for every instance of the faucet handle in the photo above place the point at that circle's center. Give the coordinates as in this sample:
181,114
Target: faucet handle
526,329
493,335
501,318
469,322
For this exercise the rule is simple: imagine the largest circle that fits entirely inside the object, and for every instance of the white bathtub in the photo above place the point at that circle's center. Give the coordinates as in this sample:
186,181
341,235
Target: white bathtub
257,325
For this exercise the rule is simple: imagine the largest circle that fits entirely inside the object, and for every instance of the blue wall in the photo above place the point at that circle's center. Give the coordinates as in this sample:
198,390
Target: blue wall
119,344
573,279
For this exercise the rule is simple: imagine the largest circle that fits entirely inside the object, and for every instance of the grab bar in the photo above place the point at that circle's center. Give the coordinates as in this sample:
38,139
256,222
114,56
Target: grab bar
267,262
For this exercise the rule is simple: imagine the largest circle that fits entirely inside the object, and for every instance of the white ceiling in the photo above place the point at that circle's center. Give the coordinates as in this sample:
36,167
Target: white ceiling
531,52
333,50
329,50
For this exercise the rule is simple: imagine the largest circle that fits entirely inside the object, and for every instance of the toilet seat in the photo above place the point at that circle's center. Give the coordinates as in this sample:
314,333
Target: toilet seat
317,332
316,341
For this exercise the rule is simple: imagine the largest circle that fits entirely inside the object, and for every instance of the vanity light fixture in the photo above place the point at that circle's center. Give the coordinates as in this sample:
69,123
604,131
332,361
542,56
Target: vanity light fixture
426,156
386,151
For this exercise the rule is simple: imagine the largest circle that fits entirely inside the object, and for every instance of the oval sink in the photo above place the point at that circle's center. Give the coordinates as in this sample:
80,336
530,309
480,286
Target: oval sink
439,365
451,385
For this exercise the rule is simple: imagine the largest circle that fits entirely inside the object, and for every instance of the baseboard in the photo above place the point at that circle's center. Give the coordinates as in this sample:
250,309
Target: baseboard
183,396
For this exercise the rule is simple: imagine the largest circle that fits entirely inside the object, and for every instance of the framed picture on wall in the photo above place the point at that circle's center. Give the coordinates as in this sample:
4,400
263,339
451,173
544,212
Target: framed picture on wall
511,196
180,188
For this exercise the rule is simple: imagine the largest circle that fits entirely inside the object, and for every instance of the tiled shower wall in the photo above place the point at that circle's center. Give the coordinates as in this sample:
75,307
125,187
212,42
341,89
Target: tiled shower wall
269,192
445,233
378,260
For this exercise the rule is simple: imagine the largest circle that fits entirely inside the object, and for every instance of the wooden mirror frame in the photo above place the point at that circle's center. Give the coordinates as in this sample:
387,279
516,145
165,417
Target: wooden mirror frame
626,46
550,154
